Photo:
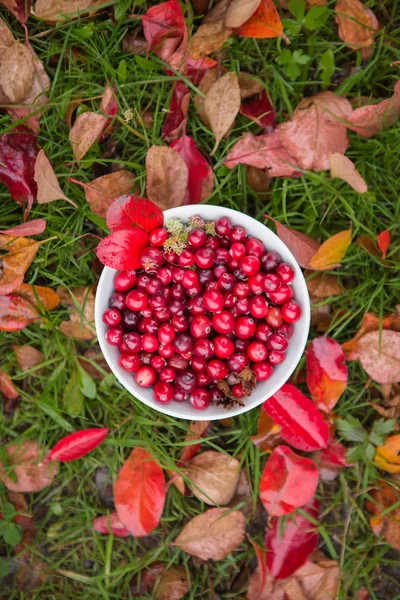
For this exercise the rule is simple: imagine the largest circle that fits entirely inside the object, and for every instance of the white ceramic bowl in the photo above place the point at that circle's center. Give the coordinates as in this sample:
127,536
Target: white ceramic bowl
264,389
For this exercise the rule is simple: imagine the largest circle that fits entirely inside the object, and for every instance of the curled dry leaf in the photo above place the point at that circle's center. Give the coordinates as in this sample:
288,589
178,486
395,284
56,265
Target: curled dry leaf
17,71
326,372
267,436
212,535
21,252
48,188
167,177
357,25
370,323
214,477
302,246
200,173
315,581
52,11
208,38
18,152
40,296
388,524
110,524
222,104
81,323
85,132
322,285
342,168
16,313
24,461
28,357
373,118
7,387
101,192
331,251
264,22
240,11
379,354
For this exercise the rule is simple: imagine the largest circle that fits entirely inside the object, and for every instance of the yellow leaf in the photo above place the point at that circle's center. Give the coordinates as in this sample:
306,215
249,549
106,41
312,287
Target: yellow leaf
331,251
387,457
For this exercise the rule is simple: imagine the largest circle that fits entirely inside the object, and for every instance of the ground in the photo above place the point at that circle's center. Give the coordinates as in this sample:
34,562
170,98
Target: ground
80,57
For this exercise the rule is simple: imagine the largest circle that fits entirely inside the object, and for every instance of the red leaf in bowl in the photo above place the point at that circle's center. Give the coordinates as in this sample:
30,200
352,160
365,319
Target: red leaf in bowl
77,444
303,426
200,180
133,211
121,249
326,372
18,152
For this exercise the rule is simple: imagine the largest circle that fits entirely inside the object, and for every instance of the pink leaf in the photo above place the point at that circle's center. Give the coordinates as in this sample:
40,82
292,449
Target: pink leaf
301,245
33,227
288,551
303,426
162,21
110,524
200,179
259,109
16,313
77,444
287,482
196,69
326,372
18,152
19,8
32,475
7,387
384,242
121,249
177,111
108,106
131,211
373,118
332,460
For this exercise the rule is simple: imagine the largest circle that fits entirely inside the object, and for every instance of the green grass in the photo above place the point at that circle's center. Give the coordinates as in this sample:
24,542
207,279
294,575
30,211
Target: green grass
80,57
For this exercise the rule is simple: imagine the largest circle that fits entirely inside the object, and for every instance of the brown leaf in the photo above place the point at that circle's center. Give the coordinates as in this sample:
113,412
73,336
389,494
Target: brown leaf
379,354
370,323
321,317
173,584
322,285
200,6
81,323
240,11
85,132
6,37
267,437
249,85
167,177
316,130
52,11
371,119
342,168
95,356
387,525
331,251
24,459
301,245
265,588
222,104
48,188
315,581
7,387
28,357
21,252
258,179
16,72
357,25
366,242
214,477
206,82
209,38
48,298
102,192
212,535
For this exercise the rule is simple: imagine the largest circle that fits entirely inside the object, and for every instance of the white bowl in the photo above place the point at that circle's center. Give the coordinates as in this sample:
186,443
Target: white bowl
264,389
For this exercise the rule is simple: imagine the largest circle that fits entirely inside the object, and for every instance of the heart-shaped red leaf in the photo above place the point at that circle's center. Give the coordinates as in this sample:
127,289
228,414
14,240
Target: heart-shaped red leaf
18,152
200,174
110,524
326,372
77,444
287,552
288,482
303,426
121,249
140,493
133,211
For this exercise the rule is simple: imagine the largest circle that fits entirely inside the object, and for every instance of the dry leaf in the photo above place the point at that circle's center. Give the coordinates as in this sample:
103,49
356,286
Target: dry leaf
52,11
6,37
240,11
331,251
48,298
387,456
388,524
322,285
173,584
249,85
81,323
267,437
102,192
209,38
214,477
206,82
16,72
301,245
342,168
24,458
95,356
86,131
370,323
357,25
366,242
222,104
373,118
21,252
28,357
48,188
7,387
213,534
316,130
167,177
315,581
379,354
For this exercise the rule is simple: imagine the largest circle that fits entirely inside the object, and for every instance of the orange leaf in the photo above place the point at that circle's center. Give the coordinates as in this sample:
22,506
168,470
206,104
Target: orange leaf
386,524
331,251
48,298
267,436
326,372
264,23
384,242
387,457
13,265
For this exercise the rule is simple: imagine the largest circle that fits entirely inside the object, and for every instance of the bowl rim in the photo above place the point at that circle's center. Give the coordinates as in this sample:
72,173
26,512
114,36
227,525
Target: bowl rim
172,409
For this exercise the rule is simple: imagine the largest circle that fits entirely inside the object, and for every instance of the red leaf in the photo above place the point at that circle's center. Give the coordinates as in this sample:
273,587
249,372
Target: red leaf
77,444
200,179
302,246
196,69
19,8
288,552
384,242
332,460
303,426
177,111
33,227
259,109
264,23
121,249
288,482
140,493
110,524
131,211
16,313
161,21
197,430
7,387
326,372
262,574
108,106
18,152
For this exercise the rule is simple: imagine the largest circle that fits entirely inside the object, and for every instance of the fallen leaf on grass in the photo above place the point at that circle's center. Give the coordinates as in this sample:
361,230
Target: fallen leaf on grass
240,11
267,437
140,493
315,581
17,71
384,242
85,132
264,22
94,355
19,8
102,192
167,177
373,118
16,313
33,227
131,211
261,585
357,25
387,457
110,524
39,296
205,83
121,249
379,354
331,251
23,459
287,482
28,357
387,525
200,174
331,460
48,188
214,477
77,444
6,37
212,535
21,252
301,245
208,38
322,285
81,323
18,152
177,111
342,168
164,28
222,104
326,372
370,322
259,109
7,387
53,11
196,432
172,585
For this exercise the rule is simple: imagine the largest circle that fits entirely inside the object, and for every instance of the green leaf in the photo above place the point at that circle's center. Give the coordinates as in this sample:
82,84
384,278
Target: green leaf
73,397
84,33
284,58
99,221
370,451
4,568
297,8
300,58
147,65
327,66
292,71
291,28
316,17
54,414
122,71
86,383
12,534
380,430
351,430
8,511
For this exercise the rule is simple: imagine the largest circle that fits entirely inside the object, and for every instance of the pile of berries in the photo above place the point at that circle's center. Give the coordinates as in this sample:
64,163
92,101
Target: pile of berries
202,313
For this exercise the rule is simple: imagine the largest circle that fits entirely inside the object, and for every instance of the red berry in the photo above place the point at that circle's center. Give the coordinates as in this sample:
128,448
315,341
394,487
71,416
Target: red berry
162,314
223,322
145,376
163,392
277,342
284,294
196,306
151,258
200,327
271,283
133,341
270,261
212,243
180,323
186,258
164,275
178,362
200,399
183,343
217,395
190,279
254,247
167,374
257,351
198,364
226,282
229,299
238,391
241,345
238,250
286,329
249,265
124,280
114,336
245,327
285,272
176,307
130,319
221,256
158,362
275,357
263,370
137,300
255,283
237,362
158,236
171,256
223,346
177,274
263,331
180,395
143,281
129,362
206,276
258,307
112,317
291,311
157,302
149,342
186,380
197,238
166,350
219,270
213,301
117,300
154,286
223,226
241,290
203,348
166,333
204,258
274,317
238,234
203,379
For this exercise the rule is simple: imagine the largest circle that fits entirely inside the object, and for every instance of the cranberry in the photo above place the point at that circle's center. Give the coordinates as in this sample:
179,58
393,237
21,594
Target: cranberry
274,317
130,319
223,226
129,362
166,333
284,294
125,280
263,370
223,322
240,276
243,306
259,307
255,283
257,351
137,300
158,362
158,236
157,302
190,279
285,272
241,345
203,348
154,286
182,343
270,261
133,341
238,234
112,317
254,247
203,379
117,300
180,323
145,358
238,251
177,274
275,357
224,242
197,238
232,264
286,329
142,326
122,347
277,342
178,291
167,374
180,395
213,301
221,256
200,327
196,306
142,281
166,350
219,270
198,364
291,311
212,243
163,314
200,399
186,258
166,292
151,258
241,290
204,258
151,326
223,346
163,392
250,265
178,362
237,362
164,275
114,336
245,327
145,376
149,343
171,256
217,395
229,299
186,380
206,276
238,391
176,307
226,282
263,331
232,379
147,313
